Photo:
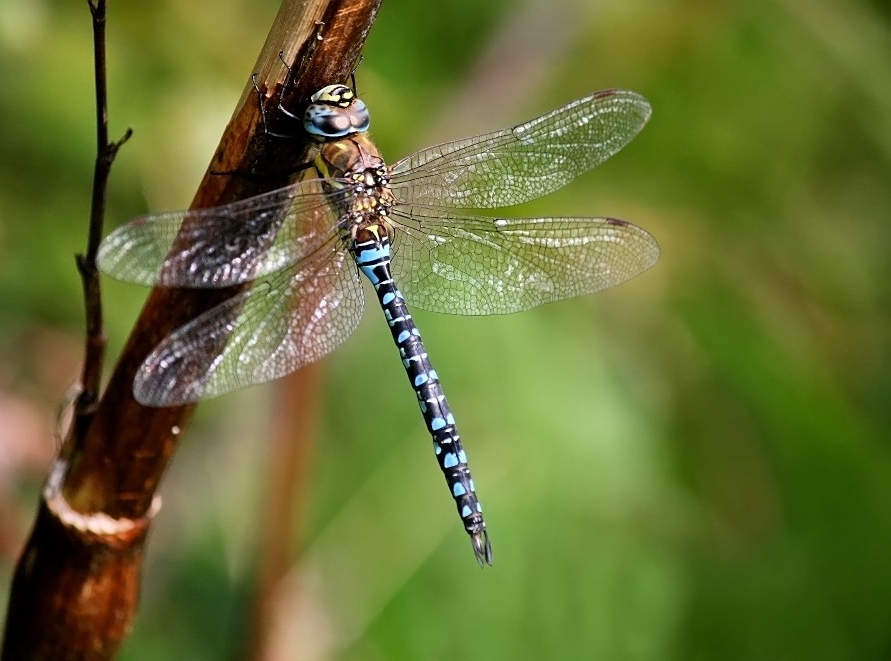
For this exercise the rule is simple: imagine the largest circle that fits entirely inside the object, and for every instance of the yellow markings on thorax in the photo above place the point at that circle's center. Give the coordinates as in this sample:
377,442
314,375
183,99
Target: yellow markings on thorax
355,162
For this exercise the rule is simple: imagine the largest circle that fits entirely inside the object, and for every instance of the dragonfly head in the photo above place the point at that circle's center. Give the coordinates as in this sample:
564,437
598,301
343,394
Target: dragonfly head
334,112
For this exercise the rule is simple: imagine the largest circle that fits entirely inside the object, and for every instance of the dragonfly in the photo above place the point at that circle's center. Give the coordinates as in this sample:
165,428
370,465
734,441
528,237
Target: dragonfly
406,228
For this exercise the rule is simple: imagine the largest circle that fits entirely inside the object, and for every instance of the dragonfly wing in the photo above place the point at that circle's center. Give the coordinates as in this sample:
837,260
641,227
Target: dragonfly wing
524,162
226,245
272,329
473,265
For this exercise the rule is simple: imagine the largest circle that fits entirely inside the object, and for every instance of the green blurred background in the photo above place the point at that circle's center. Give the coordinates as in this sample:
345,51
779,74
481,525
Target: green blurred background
694,465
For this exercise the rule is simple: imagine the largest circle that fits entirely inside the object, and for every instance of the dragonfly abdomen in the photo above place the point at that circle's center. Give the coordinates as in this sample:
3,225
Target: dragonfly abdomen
371,251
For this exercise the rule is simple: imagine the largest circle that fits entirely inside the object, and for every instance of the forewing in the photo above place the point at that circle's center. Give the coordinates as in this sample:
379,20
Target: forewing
473,265
225,245
270,330
524,162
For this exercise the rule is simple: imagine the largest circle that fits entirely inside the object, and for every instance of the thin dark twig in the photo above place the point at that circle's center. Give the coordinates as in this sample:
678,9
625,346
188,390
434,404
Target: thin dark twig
94,349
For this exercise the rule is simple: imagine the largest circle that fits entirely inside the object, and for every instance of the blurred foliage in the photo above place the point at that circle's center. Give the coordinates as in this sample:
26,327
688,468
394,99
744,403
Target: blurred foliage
692,466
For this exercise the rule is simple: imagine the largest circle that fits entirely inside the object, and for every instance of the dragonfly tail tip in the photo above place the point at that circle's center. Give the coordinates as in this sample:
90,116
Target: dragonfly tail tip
482,548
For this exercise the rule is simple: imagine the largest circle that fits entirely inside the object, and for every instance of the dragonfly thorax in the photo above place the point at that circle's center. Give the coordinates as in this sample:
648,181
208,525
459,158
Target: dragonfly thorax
353,163
371,197
334,112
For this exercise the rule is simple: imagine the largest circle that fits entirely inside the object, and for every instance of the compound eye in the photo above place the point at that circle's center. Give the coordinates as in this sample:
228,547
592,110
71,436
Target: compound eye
335,112
326,121
359,118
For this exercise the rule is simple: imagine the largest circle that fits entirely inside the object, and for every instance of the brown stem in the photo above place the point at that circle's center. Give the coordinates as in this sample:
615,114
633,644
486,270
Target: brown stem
106,479
295,421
